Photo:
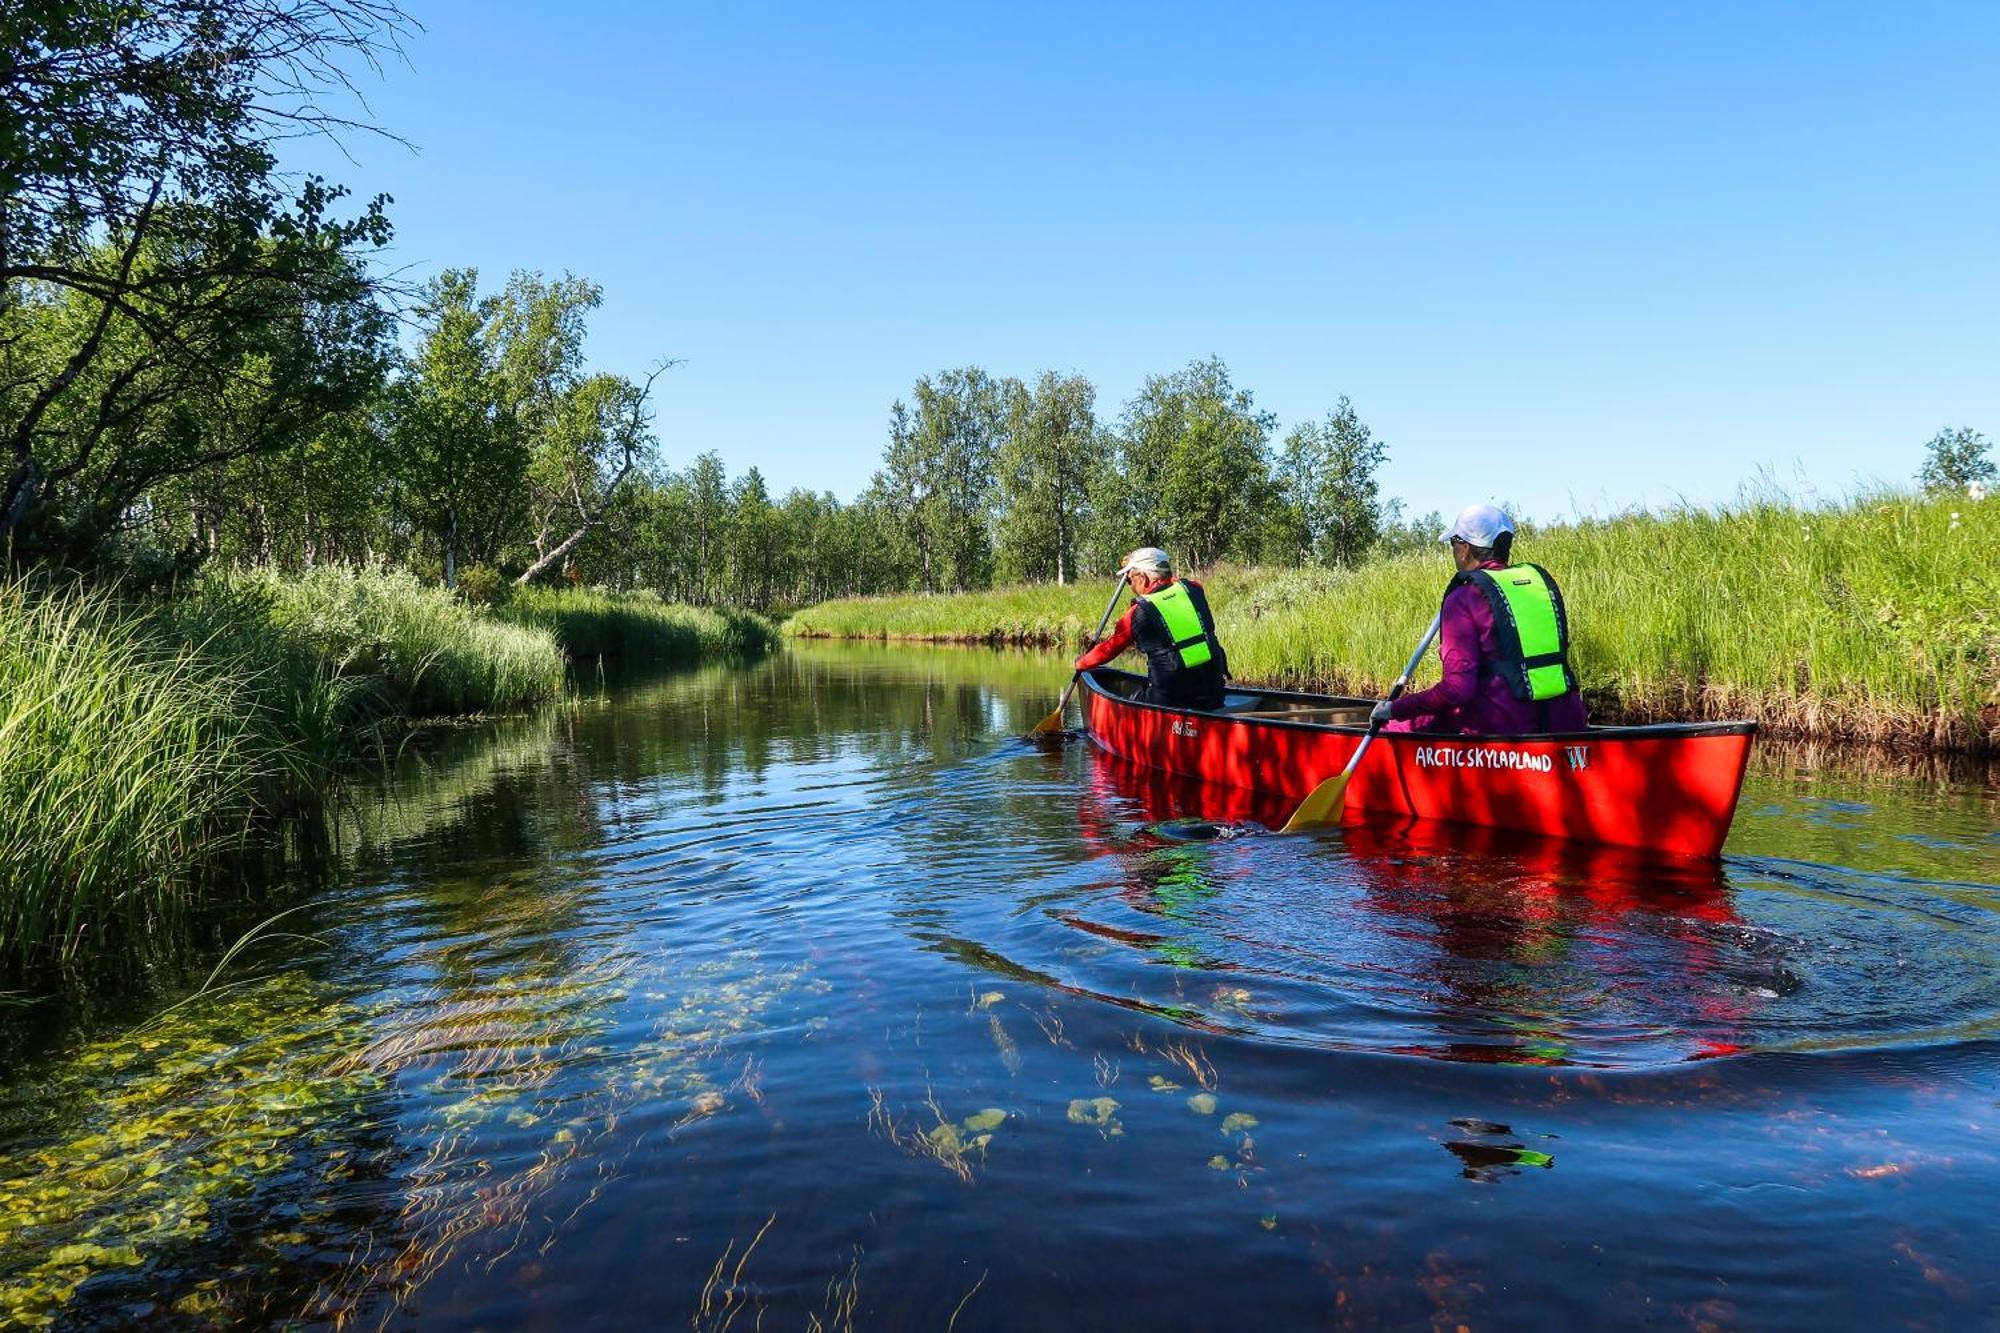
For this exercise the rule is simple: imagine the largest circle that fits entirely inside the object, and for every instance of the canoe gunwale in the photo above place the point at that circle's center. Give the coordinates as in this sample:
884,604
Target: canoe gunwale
1639,732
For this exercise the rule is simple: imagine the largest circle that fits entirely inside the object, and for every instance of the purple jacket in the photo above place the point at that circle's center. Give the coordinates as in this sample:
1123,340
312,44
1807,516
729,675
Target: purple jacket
1464,701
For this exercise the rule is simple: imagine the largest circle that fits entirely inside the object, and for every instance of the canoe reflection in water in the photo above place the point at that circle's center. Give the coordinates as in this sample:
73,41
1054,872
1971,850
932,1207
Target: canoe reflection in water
1421,938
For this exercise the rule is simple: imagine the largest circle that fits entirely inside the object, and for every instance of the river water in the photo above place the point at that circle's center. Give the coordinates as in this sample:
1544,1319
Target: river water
806,996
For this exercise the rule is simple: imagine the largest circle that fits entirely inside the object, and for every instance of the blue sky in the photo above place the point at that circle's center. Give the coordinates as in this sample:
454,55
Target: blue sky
1576,257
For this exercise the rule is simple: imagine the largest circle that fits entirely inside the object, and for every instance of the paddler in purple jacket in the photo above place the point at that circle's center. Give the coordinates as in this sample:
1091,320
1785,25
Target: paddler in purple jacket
1504,641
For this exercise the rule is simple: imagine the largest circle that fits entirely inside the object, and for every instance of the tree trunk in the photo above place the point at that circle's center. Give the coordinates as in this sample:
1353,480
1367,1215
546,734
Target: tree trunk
567,544
25,485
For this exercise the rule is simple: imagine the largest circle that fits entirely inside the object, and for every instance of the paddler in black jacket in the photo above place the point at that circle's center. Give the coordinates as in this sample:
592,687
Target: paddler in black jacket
1169,621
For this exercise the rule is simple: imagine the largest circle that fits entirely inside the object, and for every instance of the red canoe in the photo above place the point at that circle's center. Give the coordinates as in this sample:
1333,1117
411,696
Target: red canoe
1670,787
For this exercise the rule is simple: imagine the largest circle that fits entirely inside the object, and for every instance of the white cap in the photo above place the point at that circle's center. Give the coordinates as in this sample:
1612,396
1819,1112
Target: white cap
1147,560
1478,525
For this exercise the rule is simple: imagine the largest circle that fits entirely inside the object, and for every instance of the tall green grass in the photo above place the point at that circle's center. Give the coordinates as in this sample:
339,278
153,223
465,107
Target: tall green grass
1021,614
146,739
130,762
1878,620
410,647
595,625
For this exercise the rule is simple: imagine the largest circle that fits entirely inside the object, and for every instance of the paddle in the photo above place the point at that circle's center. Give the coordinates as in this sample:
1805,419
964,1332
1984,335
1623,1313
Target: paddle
1054,721
1323,803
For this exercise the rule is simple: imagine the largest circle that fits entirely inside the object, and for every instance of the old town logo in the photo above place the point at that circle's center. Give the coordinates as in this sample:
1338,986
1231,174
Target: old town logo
1578,756
1184,728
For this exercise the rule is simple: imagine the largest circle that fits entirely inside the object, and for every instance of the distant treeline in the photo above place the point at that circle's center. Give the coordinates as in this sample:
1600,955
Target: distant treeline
485,452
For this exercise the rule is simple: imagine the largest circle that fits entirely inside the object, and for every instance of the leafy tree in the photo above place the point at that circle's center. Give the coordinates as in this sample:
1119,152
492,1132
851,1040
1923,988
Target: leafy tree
1196,466
538,331
1401,535
753,541
869,543
1954,460
588,434
1328,497
937,476
808,541
707,532
1047,460
121,408
140,206
458,453
599,436
320,500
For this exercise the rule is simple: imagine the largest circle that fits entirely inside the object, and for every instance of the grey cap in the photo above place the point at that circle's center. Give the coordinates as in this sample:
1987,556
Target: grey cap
1148,560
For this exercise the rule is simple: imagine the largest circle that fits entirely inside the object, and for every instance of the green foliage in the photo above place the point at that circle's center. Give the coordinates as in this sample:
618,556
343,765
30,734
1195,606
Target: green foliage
1327,510
1955,461
169,303
481,585
937,477
130,761
595,624
1876,620
194,376
419,651
1402,535
1023,614
458,455
1193,472
1047,462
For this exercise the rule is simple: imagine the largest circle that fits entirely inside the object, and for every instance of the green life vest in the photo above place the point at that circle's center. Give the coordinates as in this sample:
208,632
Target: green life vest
1183,623
1530,629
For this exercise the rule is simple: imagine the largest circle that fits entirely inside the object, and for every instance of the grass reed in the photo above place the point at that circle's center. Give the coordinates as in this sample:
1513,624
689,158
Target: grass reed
596,625
131,762
415,649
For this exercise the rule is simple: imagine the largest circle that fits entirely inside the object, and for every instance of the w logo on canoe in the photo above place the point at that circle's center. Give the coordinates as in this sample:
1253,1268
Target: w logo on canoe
1578,756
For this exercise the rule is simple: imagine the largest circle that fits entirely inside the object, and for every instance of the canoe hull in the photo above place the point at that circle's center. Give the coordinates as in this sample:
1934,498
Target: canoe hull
1669,788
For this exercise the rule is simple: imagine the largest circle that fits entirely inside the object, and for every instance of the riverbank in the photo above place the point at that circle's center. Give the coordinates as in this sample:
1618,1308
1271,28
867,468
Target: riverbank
151,741
595,626
1877,621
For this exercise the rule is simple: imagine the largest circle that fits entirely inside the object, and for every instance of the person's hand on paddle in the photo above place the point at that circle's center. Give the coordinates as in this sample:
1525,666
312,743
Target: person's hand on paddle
1054,721
1379,715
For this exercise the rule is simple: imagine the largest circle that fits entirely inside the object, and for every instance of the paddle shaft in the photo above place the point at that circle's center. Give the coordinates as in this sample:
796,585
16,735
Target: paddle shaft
1054,720
1396,691
1323,803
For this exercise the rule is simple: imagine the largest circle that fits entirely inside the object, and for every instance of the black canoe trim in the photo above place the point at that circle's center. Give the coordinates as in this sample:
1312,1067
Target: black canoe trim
1647,731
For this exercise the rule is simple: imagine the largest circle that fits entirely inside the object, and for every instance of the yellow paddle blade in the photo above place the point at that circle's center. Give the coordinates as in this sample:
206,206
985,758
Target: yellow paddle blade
1054,721
1320,807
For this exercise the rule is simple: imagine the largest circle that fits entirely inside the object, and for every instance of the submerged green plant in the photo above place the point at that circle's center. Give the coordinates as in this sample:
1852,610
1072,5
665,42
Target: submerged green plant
154,1133
1099,1112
